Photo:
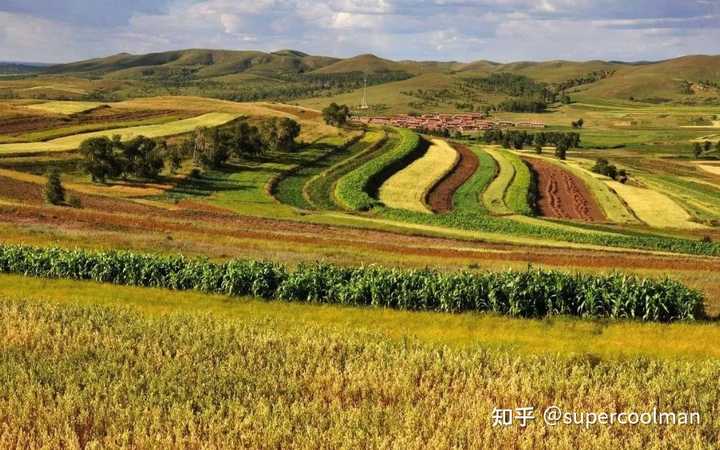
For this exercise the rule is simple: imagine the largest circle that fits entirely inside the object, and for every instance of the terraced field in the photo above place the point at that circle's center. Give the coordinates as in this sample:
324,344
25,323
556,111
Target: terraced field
151,131
358,189
320,189
612,206
408,188
469,196
508,193
440,197
563,195
654,208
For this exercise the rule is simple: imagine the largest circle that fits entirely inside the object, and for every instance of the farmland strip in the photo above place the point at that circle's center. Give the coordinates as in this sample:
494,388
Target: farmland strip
562,195
440,197
358,189
409,188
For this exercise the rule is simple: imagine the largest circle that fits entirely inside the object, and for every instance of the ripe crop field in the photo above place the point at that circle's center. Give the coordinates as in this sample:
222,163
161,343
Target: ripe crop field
408,188
392,390
508,193
710,168
61,107
151,131
494,196
654,208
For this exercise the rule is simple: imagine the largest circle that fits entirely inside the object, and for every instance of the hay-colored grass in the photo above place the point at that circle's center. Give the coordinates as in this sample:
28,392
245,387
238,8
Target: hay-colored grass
408,188
64,107
654,208
152,131
494,195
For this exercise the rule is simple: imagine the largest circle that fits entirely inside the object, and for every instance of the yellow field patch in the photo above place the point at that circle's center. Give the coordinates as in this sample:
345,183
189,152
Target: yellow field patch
63,107
408,188
654,208
57,87
710,168
151,131
494,195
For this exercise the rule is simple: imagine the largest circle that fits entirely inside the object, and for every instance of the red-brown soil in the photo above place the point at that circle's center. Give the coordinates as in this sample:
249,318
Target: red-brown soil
130,220
440,197
562,195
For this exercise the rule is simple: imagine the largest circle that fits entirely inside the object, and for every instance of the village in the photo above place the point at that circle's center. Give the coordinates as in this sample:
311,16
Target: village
438,122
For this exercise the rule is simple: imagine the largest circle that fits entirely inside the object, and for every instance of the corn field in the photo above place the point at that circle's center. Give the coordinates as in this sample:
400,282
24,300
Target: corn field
528,293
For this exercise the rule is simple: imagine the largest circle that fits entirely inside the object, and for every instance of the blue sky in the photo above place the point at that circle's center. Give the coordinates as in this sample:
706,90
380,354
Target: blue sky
461,30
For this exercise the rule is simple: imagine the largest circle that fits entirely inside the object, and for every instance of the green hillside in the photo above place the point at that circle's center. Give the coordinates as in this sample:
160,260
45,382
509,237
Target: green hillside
394,86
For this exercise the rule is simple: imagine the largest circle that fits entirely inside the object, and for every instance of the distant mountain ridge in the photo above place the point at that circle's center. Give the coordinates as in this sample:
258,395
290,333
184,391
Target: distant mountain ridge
248,70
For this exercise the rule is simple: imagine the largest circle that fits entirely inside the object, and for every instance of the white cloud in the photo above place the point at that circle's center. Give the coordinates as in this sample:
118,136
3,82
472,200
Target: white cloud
440,29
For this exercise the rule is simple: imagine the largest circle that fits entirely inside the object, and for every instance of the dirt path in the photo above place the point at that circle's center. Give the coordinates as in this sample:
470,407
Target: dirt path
440,197
562,195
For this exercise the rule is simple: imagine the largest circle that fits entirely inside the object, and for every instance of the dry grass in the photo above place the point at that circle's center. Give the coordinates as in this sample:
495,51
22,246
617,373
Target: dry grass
408,188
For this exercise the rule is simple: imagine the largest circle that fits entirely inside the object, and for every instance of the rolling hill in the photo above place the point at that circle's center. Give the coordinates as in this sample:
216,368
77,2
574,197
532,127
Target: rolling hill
289,75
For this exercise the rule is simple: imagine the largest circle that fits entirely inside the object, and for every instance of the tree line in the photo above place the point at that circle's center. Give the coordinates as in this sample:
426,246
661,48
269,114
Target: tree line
106,158
514,139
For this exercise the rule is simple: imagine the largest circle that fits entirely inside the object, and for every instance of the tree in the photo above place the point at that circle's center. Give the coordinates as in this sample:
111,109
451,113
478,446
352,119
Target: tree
707,146
336,115
538,149
99,158
211,147
278,134
54,191
246,139
142,158
697,150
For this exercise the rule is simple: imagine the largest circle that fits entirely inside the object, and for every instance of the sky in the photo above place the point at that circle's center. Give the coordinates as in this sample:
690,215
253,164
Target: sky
448,30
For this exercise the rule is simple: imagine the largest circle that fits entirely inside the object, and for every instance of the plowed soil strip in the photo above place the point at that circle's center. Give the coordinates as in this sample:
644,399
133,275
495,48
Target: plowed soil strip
562,195
440,198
